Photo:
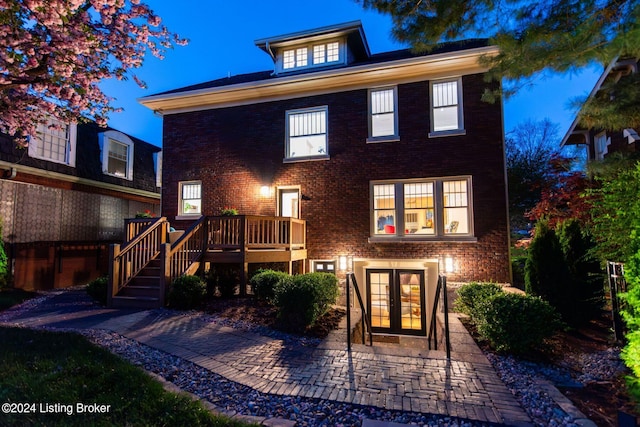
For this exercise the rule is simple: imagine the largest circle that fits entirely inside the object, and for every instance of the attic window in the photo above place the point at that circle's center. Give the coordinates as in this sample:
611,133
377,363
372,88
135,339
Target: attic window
311,55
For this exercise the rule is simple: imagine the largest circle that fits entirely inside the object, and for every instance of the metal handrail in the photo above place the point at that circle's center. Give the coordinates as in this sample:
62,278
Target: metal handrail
351,278
441,287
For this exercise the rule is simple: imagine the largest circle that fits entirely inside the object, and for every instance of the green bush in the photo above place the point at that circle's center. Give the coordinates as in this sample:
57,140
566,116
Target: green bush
4,266
264,282
223,279
472,294
516,323
584,294
302,299
98,288
187,292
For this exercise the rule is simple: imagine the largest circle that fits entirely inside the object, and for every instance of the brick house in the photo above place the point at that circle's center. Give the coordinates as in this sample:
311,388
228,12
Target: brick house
64,198
392,161
600,142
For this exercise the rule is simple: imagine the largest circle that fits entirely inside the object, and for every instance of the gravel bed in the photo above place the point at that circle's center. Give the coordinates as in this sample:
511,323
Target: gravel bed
520,377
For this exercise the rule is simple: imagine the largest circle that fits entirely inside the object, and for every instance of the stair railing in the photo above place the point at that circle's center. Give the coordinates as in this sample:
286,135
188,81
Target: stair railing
351,280
433,325
183,256
126,262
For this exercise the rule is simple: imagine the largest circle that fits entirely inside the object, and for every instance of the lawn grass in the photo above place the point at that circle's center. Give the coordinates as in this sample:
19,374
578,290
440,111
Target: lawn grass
48,368
10,297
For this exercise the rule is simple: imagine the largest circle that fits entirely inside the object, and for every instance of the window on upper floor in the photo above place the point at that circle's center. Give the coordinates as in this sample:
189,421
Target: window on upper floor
422,209
312,55
190,198
446,107
601,145
55,141
383,117
307,134
117,154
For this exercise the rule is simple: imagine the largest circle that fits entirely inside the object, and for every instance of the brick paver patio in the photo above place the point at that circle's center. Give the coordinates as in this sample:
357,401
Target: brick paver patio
392,377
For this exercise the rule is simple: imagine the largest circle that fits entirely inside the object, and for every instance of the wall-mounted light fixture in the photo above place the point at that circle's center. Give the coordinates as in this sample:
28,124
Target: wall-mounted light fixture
448,265
345,263
265,191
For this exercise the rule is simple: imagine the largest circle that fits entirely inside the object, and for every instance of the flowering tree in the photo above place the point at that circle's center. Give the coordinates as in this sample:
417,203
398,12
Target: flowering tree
55,52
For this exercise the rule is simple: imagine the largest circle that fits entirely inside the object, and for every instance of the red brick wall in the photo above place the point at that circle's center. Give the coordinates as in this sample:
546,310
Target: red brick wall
236,150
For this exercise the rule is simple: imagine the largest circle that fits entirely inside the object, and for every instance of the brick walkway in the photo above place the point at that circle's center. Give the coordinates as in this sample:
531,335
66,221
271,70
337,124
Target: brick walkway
392,377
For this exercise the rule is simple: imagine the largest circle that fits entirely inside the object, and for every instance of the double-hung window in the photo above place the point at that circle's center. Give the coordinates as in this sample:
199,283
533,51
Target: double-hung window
383,117
307,134
117,154
422,208
190,198
55,141
446,107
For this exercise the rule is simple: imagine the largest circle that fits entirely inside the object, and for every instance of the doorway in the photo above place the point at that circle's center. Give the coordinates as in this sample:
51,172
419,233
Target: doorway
289,202
395,301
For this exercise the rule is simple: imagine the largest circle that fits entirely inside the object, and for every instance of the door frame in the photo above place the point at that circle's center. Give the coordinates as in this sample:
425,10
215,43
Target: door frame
395,301
287,189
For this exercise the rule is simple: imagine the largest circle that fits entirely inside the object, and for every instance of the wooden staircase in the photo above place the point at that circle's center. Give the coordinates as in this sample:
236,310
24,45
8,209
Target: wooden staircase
143,291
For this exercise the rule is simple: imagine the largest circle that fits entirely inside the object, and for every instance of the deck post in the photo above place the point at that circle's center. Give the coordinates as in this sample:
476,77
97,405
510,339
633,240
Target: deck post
165,272
114,272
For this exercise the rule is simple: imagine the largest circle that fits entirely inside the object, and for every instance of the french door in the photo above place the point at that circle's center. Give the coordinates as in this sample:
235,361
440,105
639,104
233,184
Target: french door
395,300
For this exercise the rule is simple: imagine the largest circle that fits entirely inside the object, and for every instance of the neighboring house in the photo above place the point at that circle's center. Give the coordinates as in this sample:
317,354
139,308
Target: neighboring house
600,142
64,198
392,161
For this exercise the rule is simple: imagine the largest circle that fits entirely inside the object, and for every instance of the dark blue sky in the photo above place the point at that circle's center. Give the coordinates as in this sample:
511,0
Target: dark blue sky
222,35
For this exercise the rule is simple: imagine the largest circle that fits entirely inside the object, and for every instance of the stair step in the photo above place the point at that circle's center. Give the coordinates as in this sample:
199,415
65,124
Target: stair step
135,302
140,291
153,281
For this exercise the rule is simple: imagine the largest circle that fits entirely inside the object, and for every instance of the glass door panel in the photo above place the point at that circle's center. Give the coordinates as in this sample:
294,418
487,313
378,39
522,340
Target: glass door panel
410,300
379,298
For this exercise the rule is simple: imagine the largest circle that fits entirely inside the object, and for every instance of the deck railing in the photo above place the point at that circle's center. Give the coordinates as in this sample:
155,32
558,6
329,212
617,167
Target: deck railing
183,255
246,232
134,226
127,261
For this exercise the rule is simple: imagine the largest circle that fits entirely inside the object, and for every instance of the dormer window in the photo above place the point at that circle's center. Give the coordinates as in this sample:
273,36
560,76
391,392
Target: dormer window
295,58
312,55
323,53
55,141
117,154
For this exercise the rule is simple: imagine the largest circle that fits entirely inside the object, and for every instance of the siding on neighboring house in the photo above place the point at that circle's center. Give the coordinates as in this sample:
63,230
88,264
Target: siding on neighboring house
59,219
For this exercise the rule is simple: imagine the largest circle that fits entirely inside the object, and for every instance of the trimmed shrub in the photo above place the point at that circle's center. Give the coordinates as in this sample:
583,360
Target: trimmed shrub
546,272
516,323
472,294
302,299
264,282
187,292
98,288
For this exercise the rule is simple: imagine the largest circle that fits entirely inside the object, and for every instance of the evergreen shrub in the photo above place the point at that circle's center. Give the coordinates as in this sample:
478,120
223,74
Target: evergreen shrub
516,323
98,288
263,283
187,292
304,298
471,295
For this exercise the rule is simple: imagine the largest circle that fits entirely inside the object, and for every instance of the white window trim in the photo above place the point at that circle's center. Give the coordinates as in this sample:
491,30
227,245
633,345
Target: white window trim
103,139
439,235
342,58
157,163
70,157
186,215
453,132
385,138
600,155
324,156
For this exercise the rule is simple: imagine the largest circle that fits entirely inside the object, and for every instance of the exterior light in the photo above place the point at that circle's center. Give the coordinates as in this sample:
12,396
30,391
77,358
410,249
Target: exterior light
265,191
345,263
448,265
342,262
